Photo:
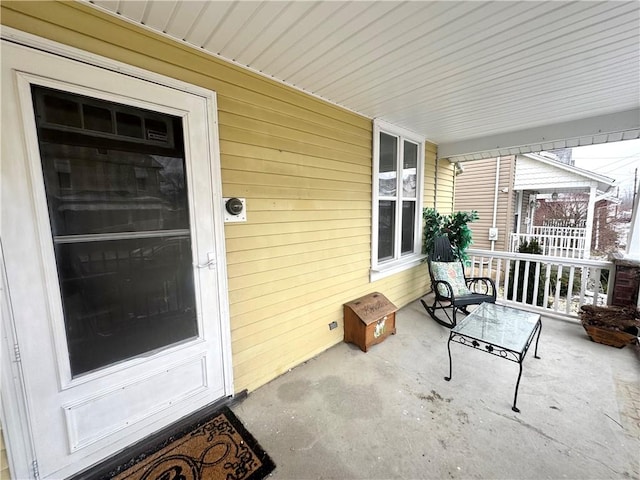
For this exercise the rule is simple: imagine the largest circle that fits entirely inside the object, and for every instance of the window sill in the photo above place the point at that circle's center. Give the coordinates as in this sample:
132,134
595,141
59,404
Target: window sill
386,270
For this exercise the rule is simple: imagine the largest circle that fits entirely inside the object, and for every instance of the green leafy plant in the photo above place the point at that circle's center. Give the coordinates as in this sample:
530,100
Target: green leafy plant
453,226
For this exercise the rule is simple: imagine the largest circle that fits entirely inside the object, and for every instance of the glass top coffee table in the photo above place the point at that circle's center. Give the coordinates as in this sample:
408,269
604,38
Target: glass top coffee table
502,331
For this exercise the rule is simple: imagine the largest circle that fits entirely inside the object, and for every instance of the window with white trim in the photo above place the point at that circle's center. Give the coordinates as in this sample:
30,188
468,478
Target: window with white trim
398,163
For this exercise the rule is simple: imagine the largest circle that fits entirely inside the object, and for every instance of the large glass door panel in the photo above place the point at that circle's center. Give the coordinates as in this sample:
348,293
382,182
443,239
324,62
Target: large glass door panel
117,197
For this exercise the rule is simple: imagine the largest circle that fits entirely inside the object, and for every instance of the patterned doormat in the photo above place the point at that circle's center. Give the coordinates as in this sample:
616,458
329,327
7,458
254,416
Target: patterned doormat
216,448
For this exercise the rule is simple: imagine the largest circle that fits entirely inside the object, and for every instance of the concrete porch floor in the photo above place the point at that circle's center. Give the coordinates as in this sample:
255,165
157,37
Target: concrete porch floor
389,413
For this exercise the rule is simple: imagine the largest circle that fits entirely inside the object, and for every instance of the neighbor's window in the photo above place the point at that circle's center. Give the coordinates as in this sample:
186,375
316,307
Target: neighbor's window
397,198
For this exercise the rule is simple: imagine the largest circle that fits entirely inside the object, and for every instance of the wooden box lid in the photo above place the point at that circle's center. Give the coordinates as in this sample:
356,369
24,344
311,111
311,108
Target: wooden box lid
371,307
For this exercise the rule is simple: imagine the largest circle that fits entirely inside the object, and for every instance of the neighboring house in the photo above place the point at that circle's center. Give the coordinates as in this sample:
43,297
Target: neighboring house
322,228
507,191
610,231
487,186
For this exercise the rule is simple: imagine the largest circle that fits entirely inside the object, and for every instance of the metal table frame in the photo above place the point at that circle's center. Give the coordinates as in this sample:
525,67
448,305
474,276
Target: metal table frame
510,354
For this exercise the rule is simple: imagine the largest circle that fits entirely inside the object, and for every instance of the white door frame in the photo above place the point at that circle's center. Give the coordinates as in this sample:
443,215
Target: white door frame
13,414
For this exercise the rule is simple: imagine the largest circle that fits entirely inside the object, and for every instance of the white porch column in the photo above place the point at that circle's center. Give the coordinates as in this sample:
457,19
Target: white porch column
633,240
519,195
589,226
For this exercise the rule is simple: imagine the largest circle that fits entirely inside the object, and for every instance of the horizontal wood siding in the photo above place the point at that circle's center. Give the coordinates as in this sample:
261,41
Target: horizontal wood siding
4,462
505,220
429,175
475,190
445,186
303,165
534,175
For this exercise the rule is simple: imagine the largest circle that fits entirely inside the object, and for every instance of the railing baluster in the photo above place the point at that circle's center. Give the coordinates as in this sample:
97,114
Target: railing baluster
536,284
570,290
498,272
505,287
547,279
596,284
516,275
525,283
556,300
584,278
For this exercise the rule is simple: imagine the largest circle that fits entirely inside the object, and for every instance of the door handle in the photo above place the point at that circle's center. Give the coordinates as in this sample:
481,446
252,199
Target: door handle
210,263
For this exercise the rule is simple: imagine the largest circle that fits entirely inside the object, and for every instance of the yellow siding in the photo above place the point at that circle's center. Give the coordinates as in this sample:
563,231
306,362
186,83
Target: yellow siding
445,187
4,463
430,152
303,165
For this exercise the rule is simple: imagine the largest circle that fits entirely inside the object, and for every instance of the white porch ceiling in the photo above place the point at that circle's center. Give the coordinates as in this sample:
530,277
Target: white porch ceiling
477,78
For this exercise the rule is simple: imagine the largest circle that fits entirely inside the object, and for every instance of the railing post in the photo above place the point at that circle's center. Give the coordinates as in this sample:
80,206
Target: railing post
591,206
611,283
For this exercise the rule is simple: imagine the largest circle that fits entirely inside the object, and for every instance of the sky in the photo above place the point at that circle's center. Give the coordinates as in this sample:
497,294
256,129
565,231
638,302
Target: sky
617,160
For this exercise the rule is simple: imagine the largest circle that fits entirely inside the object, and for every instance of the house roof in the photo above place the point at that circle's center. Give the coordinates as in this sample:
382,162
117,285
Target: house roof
480,79
604,183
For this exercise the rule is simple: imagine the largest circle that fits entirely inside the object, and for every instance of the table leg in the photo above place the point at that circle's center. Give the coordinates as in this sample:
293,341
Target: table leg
535,353
449,349
515,397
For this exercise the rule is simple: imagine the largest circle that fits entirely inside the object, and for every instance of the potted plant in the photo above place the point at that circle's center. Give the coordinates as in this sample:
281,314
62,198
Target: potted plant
611,325
453,226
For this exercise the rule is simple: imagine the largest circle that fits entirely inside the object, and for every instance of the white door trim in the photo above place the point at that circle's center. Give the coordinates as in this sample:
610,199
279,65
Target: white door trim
14,417
13,414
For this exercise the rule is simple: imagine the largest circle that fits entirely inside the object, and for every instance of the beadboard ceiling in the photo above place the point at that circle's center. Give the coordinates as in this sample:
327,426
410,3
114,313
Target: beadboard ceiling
475,77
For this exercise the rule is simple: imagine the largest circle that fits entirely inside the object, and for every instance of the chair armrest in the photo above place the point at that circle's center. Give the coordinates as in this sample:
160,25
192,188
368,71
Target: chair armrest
486,283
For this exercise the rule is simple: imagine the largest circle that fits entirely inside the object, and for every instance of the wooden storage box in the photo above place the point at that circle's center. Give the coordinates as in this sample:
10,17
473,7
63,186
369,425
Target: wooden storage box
369,320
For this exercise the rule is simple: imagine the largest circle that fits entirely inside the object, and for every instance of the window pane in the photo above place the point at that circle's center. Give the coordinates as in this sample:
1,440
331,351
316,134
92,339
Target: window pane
409,169
101,190
60,111
408,226
96,118
119,215
387,173
386,229
122,298
129,125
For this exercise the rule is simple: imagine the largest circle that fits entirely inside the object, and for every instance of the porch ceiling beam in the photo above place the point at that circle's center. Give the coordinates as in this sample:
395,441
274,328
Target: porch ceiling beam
624,125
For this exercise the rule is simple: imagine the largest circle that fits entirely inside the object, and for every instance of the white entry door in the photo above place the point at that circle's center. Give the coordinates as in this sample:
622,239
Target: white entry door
113,253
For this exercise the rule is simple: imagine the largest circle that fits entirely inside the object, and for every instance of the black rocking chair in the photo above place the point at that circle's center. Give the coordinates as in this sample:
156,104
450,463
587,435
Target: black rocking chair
451,288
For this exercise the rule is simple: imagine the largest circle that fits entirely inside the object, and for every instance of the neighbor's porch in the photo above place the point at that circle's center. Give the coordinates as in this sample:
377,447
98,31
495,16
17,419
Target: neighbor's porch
556,205
389,413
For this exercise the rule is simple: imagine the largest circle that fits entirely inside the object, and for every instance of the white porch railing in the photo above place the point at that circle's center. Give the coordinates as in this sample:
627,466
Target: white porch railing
579,232
549,284
567,242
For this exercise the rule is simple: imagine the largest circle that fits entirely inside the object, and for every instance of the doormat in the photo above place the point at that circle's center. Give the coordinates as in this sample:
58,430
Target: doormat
215,448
